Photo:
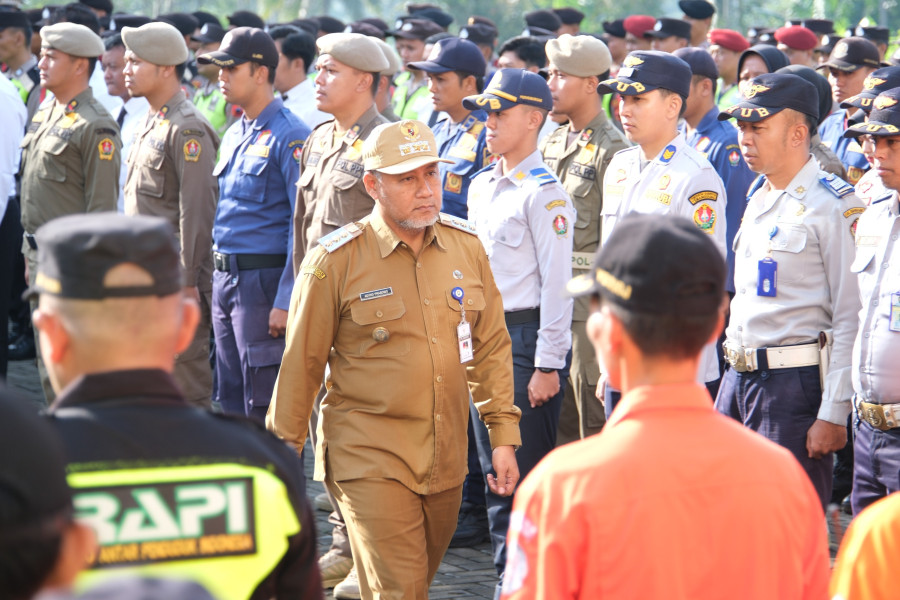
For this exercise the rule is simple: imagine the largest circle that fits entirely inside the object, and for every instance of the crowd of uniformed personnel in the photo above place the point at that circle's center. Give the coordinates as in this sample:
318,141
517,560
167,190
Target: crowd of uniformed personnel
299,169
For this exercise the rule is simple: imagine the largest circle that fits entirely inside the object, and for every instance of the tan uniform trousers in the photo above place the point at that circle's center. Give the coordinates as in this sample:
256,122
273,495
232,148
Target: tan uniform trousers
581,414
193,373
398,537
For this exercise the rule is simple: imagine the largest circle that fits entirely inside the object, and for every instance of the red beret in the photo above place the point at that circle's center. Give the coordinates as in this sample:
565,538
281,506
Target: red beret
728,38
797,37
636,25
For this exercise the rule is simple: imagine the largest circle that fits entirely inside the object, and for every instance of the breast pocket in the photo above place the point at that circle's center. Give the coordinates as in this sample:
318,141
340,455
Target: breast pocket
791,250
587,205
254,173
508,239
864,268
473,302
151,179
379,329
343,205
52,167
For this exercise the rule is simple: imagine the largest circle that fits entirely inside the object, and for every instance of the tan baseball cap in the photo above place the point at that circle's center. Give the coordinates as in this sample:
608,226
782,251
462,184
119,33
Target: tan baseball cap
395,148
73,39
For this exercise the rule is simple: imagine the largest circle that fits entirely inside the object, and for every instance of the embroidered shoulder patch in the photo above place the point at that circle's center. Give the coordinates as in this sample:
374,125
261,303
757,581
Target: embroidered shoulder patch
106,149
554,204
192,150
339,237
457,223
314,271
856,210
705,195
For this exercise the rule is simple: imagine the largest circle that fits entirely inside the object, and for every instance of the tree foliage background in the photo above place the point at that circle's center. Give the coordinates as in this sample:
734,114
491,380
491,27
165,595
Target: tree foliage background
508,14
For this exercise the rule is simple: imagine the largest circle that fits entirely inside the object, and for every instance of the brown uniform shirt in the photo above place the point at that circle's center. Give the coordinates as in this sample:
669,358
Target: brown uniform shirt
580,167
385,322
170,176
70,161
330,192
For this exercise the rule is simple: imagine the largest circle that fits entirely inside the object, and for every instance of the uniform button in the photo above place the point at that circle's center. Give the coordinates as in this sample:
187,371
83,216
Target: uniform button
437,417
427,302
866,334
440,378
502,238
379,314
418,265
875,302
469,302
743,291
894,237
757,221
885,266
434,340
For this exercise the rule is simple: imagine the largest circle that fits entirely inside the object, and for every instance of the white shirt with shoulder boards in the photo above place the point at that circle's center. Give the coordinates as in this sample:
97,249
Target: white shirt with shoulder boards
12,123
808,230
678,181
876,377
870,187
136,113
525,219
301,100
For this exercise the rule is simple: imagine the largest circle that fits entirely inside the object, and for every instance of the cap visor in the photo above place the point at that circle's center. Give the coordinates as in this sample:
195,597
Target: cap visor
402,34
220,59
876,128
840,65
624,86
487,102
862,101
657,34
411,164
746,111
429,67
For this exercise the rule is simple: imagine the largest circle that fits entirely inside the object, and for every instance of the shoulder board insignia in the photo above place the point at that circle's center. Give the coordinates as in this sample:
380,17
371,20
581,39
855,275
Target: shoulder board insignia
352,133
105,131
854,211
757,183
470,120
457,223
887,196
314,271
835,185
667,154
543,175
586,135
476,128
192,132
339,237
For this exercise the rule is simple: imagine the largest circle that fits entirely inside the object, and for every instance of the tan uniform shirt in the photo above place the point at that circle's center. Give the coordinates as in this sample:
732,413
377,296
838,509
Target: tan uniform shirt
580,167
70,161
170,176
385,322
330,192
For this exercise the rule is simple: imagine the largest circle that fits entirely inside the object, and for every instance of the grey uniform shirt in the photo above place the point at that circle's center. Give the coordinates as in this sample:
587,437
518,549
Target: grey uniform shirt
809,226
679,181
876,376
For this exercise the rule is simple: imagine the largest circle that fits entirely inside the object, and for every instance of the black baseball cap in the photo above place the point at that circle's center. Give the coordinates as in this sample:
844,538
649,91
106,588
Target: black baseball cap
35,499
769,94
819,26
821,84
434,14
878,81
415,29
246,18
884,120
510,87
665,27
76,252
453,54
243,44
852,53
879,35
700,61
210,33
656,264
479,33
647,70
697,9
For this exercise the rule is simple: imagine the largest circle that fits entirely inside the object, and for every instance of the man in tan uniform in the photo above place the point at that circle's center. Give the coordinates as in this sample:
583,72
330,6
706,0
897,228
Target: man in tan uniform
170,175
70,153
403,308
330,192
579,154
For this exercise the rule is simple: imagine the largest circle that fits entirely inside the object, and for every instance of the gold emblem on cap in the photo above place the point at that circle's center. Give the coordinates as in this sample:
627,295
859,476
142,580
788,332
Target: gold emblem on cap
840,51
410,130
871,82
632,61
755,89
882,102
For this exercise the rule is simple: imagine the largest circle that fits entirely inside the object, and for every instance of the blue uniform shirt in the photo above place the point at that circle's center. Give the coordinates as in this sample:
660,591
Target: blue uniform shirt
717,141
464,144
847,149
258,170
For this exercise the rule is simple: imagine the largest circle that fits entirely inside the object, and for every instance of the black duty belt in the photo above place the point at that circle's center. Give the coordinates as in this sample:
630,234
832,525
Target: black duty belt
249,261
520,317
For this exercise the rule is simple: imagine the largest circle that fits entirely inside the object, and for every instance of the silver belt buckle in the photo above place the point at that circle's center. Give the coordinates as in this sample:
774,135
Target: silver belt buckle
735,358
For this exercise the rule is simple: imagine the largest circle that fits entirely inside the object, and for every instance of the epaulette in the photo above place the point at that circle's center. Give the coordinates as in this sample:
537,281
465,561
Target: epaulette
457,223
835,185
543,176
339,237
757,183
887,196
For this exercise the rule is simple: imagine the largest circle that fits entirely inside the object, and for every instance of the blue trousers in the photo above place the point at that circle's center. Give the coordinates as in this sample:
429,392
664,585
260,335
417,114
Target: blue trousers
611,396
247,357
538,429
780,404
876,465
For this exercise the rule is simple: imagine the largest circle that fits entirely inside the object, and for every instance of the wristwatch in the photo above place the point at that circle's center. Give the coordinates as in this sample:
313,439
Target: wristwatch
545,370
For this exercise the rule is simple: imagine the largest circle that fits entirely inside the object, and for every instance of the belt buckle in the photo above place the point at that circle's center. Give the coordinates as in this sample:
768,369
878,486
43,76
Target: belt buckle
735,358
874,415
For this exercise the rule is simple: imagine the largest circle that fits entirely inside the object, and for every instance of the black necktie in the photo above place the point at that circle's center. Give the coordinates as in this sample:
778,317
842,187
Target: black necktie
121,118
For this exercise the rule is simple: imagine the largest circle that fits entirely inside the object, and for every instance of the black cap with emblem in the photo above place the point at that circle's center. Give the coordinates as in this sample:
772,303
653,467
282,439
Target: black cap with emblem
647,70
878,81
771,93
243,44
884,120
852,53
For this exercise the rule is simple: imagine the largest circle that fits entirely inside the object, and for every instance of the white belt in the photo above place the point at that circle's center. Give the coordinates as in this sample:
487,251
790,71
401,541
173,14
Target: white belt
745,360
582,260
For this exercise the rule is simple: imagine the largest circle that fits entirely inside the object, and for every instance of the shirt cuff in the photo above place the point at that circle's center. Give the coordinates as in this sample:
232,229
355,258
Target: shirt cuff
506,434
836,405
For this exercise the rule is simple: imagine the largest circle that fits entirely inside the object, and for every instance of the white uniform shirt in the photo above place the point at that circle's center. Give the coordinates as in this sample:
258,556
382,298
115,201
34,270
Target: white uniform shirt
301,100
679,181
12,123
811,224
112,104
136,111
876,376
525,219
870,188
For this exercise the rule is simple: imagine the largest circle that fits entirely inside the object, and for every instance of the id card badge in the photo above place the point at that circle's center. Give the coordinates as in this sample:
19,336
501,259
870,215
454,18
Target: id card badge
464,335
767,284
895,312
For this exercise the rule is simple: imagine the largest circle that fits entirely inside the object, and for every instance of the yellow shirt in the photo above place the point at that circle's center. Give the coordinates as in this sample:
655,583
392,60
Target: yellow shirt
385,322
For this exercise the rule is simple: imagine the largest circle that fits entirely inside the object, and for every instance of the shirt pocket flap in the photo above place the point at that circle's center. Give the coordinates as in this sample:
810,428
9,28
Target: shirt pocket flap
54,145
791,239
253,166
864,257
306,176
509,235
367,313
343,181
266,353
472,299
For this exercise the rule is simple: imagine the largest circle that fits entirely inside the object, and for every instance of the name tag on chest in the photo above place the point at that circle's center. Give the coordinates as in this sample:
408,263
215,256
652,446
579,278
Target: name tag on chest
257,150
376,294
353,168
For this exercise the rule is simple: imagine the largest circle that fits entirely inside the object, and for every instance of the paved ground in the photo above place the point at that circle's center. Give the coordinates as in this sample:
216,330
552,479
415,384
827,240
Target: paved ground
465,572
